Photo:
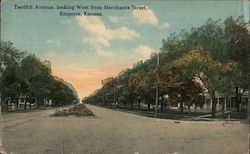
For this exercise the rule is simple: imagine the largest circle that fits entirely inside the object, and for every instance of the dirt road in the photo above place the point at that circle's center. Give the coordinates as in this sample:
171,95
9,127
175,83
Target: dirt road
113,132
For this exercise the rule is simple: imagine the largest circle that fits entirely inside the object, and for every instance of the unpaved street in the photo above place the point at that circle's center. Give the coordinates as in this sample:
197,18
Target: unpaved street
113,132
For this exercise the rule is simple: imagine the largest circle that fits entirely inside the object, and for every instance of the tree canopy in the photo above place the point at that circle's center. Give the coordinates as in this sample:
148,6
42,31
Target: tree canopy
207,59
23,74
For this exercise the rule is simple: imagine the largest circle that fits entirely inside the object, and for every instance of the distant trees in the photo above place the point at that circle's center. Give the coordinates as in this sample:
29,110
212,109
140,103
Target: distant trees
212,58
147,88
135,87
25,75
62,92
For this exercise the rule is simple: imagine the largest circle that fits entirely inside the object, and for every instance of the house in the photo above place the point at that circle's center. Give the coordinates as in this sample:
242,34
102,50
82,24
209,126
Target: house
227,103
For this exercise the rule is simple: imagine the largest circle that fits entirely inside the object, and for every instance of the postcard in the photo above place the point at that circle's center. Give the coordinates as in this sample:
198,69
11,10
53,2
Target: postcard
124,77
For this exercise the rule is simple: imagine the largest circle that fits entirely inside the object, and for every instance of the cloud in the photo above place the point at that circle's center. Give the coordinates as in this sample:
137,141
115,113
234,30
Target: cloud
67,22
97,41
99,35
57,42
164,25
105,54
144,51
114,19
145,17
49,41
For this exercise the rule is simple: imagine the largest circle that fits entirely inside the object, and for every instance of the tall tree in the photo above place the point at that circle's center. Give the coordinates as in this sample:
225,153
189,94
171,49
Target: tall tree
36,77
238,35
211,73
10,85
147,87
134,86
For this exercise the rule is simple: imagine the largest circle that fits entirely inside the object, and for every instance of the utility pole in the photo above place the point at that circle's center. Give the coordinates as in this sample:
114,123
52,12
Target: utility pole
114,98
157,88
102,93
1,104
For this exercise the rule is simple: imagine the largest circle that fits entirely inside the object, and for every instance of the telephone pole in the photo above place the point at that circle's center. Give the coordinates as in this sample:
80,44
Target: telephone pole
157,87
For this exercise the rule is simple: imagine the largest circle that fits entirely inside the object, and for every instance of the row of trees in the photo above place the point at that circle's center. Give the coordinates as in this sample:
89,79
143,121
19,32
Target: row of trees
212,58
25,75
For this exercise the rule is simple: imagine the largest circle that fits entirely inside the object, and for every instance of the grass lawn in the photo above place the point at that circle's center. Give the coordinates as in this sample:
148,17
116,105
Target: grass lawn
24,111
21,110
166,114
234,115
177,115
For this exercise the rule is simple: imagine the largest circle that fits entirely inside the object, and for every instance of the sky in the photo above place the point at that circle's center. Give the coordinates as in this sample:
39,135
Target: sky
83,50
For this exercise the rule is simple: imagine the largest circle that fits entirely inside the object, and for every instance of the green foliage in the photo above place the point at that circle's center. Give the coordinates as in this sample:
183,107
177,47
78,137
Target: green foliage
211,58
62,92
27,75
147,87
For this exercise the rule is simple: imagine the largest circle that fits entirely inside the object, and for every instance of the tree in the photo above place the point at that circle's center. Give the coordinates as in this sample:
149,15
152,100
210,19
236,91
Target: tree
10,85
222,43
62,92
208,59
36,79
211,73
147,87
238,36
134,86
29,76
122,99
179,88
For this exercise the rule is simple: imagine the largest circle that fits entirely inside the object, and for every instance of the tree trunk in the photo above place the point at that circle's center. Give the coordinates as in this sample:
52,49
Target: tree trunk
7,102
36,100
102,100
125,105
214,103
17,102
181,106
25,102
248,81
189,108
30,104
162,100
148,106
237,98
240,100
139,104
248,100
38,104
223,105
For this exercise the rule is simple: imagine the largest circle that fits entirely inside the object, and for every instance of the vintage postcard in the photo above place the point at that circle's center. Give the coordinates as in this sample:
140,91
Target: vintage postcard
124,77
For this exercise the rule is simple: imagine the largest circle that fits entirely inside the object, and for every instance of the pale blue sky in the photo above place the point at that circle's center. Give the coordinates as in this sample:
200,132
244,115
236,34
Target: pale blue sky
84,56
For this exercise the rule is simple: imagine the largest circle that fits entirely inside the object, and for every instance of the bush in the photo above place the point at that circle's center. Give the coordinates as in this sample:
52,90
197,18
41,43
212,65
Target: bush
77,110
